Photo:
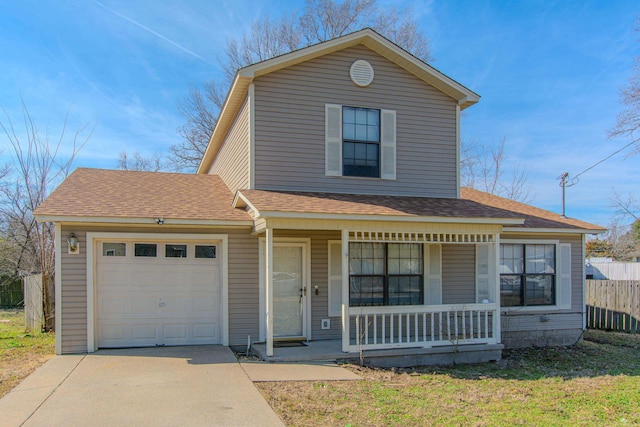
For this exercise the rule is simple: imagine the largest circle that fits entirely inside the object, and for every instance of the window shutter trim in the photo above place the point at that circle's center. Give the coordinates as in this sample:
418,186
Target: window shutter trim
335,279
333,139
388,144
482,273
433,263
563,288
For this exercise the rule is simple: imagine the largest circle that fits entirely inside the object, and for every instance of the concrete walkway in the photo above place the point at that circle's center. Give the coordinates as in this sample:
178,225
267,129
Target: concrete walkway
169,386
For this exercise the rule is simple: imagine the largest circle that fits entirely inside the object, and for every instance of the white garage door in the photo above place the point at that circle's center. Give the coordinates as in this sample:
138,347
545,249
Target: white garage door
151,293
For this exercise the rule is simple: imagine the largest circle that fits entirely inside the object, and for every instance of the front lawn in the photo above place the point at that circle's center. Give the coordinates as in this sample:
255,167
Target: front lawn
21,352
594,383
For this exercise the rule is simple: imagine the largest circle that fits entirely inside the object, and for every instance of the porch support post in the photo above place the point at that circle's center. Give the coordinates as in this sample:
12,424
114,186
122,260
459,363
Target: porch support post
345,291
497,325
268,286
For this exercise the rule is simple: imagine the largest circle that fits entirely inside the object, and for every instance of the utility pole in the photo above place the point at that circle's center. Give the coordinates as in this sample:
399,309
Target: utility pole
563,184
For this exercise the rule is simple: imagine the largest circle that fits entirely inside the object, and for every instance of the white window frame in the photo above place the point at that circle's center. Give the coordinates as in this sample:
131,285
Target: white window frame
387,158
559,272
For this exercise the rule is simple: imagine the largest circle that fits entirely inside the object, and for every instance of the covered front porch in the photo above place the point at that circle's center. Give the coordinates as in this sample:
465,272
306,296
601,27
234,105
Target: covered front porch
452,307
380,275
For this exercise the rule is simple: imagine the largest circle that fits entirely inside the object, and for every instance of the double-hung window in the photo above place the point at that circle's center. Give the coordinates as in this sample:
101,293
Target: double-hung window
385,274
360,142
527,274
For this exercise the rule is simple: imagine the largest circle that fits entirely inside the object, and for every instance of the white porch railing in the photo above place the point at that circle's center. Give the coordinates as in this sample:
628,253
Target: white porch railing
376,328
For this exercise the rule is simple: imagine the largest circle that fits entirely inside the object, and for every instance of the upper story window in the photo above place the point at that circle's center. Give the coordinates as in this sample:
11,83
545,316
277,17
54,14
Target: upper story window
361,142
527,274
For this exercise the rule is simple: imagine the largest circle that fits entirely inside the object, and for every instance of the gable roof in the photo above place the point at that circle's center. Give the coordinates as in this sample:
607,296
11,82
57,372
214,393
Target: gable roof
367,37
99,195
533,217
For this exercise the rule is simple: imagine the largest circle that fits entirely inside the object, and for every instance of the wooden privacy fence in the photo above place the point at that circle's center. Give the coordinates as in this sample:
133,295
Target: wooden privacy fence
33,308
613,305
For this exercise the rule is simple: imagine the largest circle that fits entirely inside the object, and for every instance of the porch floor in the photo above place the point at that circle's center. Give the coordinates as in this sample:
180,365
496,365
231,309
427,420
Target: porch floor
331,350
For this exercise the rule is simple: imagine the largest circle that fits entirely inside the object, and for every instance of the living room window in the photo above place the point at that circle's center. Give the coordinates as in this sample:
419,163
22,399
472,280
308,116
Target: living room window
385,274
527,274
361,142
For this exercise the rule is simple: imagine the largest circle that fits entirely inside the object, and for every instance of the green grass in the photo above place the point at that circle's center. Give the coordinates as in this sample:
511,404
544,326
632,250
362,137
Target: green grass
21,351
594,383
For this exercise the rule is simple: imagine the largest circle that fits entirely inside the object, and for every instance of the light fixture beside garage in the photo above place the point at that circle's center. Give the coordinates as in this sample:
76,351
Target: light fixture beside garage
72,244
159,221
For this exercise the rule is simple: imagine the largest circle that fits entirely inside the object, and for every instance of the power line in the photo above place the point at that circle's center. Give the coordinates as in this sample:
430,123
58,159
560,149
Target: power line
575,179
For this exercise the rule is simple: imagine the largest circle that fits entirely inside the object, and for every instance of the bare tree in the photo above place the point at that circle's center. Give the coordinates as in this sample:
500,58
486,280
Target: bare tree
628,122
482,168
137,162
38,165
626,207
320,20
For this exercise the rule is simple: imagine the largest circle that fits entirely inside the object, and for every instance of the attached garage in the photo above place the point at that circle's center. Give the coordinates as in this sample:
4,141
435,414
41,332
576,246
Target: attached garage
152,290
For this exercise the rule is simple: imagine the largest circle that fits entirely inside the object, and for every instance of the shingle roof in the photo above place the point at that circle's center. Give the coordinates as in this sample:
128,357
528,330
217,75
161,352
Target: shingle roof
533,217
359,204
129,194
473,204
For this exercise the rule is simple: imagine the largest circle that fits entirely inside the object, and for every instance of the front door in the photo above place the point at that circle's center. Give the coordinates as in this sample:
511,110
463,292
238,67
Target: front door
289,291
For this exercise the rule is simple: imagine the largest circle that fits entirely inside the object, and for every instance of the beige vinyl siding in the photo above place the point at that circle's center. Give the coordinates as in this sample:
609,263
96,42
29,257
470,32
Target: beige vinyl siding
232,161
548,327
242,277
74,296
244,285
320,277
290,127
458,274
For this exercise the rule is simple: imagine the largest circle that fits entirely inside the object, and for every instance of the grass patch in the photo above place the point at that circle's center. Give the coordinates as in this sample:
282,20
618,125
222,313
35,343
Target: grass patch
594,383
21,351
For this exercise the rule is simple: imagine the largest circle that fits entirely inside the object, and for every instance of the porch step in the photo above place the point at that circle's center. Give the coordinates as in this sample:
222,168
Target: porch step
331,350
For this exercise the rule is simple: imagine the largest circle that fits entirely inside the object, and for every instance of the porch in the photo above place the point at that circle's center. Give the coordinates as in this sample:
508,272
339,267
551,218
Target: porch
331,350
452,304
403,336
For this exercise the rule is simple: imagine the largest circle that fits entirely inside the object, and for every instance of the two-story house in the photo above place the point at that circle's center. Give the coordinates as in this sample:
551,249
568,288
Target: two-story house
327,208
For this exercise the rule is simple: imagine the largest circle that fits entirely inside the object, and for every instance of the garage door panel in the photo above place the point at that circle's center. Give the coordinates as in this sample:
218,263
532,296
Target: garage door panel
144,305
205,331
173,332
147,332
157,301
203,305
117,305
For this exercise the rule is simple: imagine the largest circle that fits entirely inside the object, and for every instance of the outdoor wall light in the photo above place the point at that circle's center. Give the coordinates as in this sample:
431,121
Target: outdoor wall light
159,221
316,289
72,242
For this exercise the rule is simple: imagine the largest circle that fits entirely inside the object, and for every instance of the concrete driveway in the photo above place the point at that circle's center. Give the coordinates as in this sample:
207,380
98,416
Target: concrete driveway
168,386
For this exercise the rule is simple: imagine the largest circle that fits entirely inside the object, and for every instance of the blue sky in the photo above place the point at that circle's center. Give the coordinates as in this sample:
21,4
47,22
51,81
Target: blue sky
549,74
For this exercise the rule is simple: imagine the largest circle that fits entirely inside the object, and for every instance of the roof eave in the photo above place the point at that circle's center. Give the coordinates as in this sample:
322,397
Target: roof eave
553,230
141,220
392,218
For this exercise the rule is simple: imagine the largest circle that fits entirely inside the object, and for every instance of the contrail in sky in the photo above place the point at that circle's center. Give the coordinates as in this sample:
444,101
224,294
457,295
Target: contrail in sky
137,24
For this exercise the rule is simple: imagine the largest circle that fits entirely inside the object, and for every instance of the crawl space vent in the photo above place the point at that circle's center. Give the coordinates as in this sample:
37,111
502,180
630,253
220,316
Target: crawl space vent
361,73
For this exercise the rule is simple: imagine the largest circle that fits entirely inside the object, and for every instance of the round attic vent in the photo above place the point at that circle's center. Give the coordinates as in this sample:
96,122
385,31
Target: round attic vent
361,73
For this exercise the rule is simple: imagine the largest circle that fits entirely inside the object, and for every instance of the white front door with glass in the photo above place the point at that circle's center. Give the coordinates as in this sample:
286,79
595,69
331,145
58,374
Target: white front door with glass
289,291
